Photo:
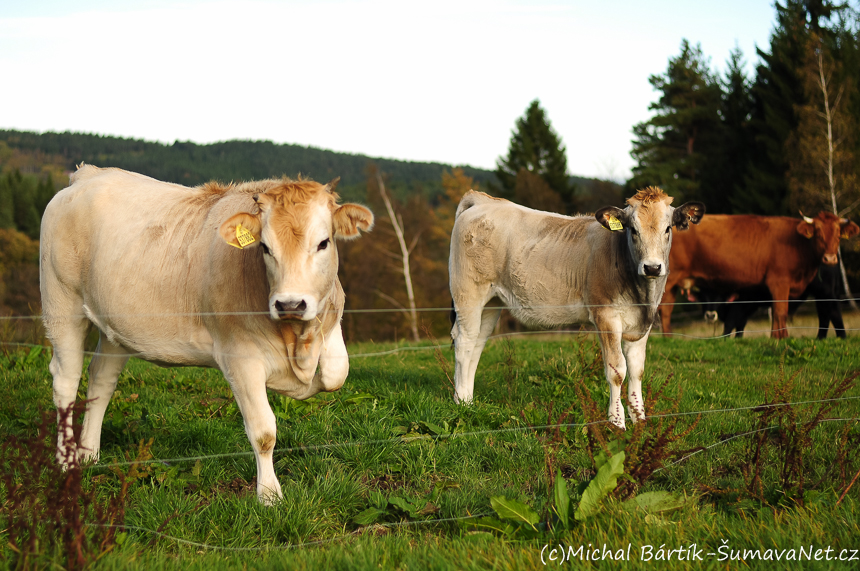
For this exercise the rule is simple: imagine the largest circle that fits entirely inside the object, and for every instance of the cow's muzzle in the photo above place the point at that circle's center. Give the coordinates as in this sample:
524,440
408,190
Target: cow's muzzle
711,316
652,271
830,259
291,309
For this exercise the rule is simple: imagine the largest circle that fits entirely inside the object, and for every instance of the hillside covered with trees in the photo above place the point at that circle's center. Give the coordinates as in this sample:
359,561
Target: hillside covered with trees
424,197
783,141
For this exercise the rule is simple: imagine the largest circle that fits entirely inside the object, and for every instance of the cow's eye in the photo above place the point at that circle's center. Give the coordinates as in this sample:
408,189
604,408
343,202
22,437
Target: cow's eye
668,229
265,249
634,231
323,245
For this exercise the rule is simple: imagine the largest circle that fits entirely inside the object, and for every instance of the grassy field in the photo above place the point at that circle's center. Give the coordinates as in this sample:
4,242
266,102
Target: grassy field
389,473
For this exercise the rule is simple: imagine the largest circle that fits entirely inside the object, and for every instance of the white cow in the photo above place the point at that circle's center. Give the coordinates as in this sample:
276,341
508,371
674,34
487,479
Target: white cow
173,275
552,270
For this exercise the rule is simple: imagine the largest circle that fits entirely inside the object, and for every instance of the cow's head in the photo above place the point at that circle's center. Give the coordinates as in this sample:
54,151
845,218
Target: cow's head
295,224
825,230
648,221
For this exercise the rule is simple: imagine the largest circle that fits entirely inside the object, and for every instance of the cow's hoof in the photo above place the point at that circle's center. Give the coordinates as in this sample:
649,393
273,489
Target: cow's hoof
618,421
269,496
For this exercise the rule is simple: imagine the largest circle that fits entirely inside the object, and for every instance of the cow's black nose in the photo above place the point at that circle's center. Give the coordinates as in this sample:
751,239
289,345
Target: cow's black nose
291,309
653,271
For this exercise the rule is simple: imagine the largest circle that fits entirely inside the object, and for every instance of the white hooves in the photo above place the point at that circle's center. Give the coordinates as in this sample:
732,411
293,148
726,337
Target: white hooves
269,497
618,421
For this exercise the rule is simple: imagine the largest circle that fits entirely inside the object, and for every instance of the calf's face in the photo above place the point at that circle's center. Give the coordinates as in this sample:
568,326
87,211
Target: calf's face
296,232
648,221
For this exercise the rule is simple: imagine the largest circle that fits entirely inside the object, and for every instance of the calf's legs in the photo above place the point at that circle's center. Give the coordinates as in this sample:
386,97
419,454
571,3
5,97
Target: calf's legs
105,368
67,336
471,330
619,361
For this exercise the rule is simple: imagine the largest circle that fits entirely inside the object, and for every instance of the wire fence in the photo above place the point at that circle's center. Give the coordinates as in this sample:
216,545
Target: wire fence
399,440
678,304
470,434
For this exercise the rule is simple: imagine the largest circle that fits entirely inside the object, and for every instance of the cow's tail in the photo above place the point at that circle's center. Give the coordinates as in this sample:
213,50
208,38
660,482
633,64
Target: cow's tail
470,199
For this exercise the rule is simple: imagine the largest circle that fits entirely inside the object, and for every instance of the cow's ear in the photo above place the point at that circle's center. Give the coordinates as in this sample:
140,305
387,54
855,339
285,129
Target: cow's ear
686,213
806,229
348,219
849,229
612,218
242,230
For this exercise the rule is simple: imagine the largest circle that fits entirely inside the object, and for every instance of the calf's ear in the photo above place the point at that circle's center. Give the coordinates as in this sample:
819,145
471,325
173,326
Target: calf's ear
612,218
686,213
349,219
806,229
849,229
241,231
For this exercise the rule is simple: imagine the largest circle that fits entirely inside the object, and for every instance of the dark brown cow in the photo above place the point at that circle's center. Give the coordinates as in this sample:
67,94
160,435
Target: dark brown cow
740,251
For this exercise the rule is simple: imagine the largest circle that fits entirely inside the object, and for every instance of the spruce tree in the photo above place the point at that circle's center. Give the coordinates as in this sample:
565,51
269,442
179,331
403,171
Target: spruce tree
537,148
673,148
732,160
777,94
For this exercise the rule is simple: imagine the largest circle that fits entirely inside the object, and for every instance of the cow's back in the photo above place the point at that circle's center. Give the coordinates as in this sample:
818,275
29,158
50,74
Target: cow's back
539,263
737,250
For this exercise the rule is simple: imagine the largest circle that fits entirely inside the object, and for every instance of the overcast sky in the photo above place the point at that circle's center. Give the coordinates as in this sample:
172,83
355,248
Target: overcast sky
436,81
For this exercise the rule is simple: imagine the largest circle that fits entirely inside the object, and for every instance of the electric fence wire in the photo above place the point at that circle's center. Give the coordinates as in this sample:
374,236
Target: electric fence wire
387,352
358,531
399,440
679,304
285,547
454,435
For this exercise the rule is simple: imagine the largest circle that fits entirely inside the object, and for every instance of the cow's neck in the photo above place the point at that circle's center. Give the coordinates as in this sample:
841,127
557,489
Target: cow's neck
305,339
644,292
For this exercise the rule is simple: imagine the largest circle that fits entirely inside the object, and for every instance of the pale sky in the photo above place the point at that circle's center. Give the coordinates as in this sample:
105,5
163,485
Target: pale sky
440,81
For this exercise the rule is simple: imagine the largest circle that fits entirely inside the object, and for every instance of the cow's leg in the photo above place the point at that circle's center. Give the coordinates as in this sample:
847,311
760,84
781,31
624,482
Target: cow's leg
67,335
836,319
469,341
489,319
247,378
779,323
614,366
634,354
105,368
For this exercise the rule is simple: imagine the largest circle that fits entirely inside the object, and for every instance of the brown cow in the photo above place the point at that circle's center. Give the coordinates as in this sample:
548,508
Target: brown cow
732,252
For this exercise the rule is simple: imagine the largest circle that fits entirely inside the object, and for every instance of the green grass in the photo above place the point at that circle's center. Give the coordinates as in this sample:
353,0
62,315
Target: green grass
340,454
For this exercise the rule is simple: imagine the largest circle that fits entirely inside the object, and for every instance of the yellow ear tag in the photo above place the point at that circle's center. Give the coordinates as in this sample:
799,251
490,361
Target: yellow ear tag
243,237
615,224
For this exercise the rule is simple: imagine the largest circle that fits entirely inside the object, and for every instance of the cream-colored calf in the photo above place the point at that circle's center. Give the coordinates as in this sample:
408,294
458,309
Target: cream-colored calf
239,277
552,270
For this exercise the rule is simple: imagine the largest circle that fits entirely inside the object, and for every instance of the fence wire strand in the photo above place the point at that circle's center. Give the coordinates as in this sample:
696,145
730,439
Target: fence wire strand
455,435
677,304
316,543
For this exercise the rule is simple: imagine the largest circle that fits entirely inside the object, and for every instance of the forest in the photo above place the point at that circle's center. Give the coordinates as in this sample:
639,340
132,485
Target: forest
783,141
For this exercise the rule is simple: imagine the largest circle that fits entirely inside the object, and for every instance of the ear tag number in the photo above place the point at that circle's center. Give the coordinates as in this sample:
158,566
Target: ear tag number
615,224
243,237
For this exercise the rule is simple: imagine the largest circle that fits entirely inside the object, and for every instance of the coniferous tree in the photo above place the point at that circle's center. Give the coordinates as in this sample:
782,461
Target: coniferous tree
673,148
7,204
777,93
537,148
736,143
